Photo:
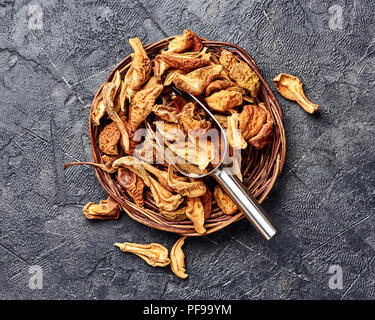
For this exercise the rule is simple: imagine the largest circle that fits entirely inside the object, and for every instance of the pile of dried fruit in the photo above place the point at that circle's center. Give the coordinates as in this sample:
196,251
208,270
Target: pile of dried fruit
227,85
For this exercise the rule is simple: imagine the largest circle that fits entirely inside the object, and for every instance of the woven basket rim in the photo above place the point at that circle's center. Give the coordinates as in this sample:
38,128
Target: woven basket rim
260,181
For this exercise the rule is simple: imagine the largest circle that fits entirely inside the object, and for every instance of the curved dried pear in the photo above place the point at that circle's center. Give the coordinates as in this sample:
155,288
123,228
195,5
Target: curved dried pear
195,213
140,68
176,215
165,113
104,210
240,72
207,203
196,81
164,200
184,42
224,202
190,119
143,104
108,139
154,254
134,165
224,100
251,120
235,138
264,136
98,109
133,185
219,85
108,96
194,188
290,87
186,62
161,175
178,259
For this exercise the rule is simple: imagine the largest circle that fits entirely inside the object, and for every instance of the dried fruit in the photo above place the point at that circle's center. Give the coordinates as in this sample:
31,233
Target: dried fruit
108,139
143,104
176,215
224,100
188,41
219,85
264,136
178,259
165,113
154,254
108,96
196,81
224,202
186,62
251,120
290,87
235,138
134,165
140,68
195,213
207,203
164,200
240,72
98,109
133,185
192,188
104,210
190,119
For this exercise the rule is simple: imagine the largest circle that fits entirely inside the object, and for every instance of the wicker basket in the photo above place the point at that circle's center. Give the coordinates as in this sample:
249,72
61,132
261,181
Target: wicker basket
260,169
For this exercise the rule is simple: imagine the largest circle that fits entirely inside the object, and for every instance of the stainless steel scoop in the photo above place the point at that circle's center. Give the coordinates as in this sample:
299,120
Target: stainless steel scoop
229,182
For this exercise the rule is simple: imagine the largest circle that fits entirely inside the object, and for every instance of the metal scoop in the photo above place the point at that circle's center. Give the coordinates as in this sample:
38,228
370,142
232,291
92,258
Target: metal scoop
229,182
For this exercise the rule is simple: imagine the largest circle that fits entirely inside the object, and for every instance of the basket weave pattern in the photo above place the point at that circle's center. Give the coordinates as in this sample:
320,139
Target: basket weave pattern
260,169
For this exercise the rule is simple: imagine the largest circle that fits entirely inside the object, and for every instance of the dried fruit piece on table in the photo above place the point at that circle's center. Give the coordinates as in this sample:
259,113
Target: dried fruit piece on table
134,165
196,81
240,72
188,41
98,109
264,136
195,213
190,119
224,100
108,96
192,188
224,202
186,62
164,199
251,120
176,215
290,87
235,138
154,254
207,203
104,210
143,104
178,259
133,185
140,68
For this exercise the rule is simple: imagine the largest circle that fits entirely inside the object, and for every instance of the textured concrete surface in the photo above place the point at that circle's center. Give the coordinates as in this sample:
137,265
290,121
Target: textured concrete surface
54,55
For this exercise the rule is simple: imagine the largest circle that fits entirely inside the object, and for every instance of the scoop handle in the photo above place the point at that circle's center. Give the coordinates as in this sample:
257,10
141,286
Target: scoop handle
245,202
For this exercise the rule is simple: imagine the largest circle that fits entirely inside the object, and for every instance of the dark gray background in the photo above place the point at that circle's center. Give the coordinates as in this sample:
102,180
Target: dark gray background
323,202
